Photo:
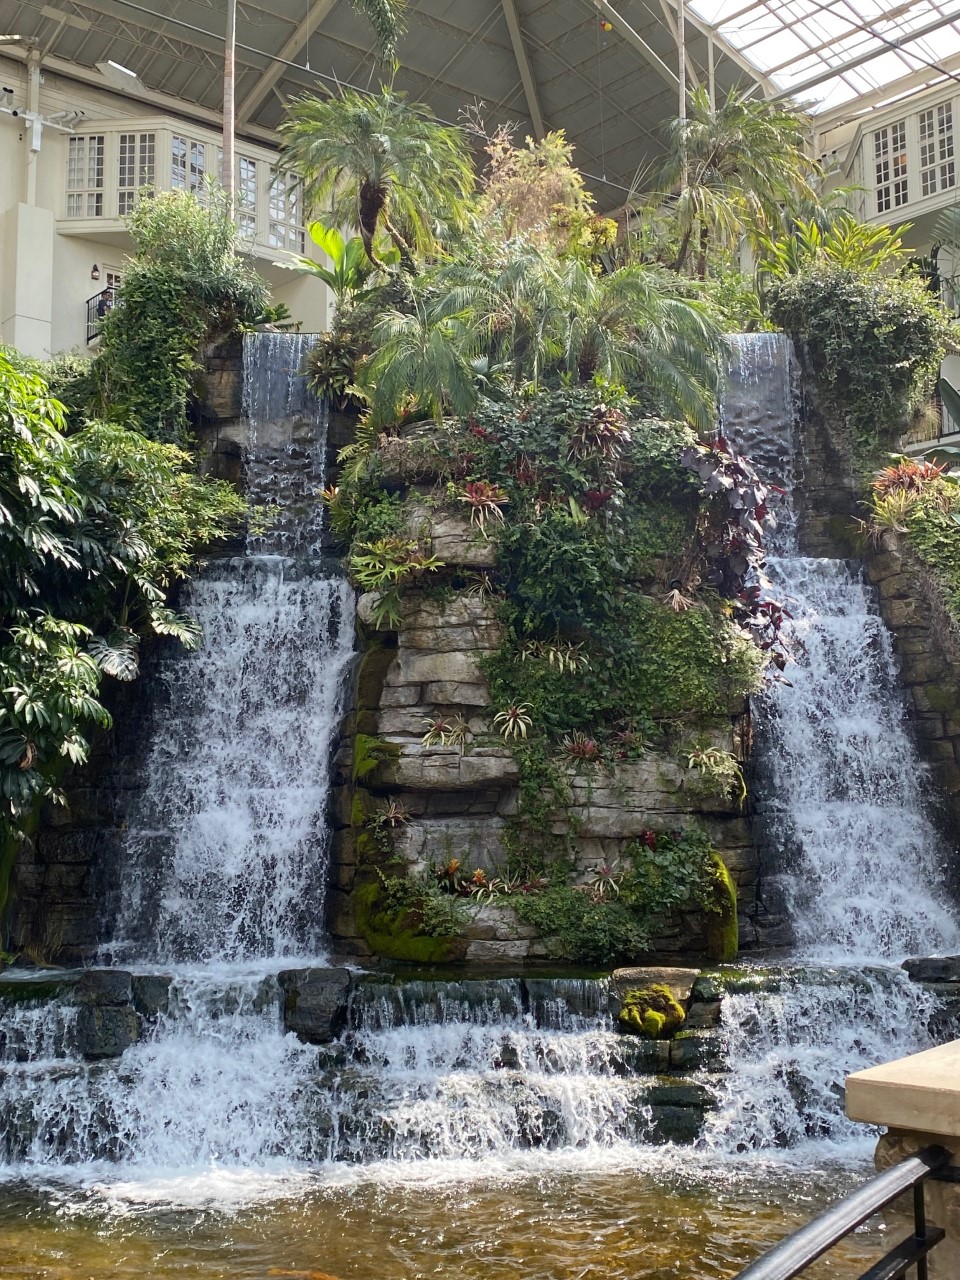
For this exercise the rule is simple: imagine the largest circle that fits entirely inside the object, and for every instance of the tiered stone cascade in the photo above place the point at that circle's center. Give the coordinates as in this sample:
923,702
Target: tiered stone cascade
460,798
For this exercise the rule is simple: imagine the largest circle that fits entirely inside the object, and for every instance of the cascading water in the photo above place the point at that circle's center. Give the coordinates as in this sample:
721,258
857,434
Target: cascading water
223,886
851,844
225,856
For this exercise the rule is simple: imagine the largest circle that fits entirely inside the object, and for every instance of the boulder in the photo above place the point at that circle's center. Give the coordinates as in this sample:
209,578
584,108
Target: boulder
105,1030
105,987
680,981
933,968
151,994
315,1002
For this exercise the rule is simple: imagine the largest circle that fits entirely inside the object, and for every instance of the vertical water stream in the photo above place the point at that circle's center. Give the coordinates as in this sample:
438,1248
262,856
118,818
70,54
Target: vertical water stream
850,842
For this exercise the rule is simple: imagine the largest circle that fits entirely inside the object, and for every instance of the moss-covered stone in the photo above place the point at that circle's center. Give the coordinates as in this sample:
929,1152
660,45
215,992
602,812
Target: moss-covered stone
941,697
371,673
28,990
368,752
394,935
652,1011
720,925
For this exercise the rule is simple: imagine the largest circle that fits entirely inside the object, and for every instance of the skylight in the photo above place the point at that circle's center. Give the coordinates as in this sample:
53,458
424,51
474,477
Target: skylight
830,52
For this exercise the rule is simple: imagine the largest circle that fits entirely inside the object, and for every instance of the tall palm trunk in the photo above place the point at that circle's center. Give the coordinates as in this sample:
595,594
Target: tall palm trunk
371,200
702,255
684,250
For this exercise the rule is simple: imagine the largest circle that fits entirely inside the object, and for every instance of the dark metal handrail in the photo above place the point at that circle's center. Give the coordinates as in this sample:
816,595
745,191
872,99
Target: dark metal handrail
98,307
794,1254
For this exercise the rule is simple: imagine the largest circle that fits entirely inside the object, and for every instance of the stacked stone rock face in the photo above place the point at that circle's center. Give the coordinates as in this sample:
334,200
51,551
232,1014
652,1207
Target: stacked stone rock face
927,643
461,799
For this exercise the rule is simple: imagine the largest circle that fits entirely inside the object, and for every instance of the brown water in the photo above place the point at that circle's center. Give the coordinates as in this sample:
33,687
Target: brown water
628,1225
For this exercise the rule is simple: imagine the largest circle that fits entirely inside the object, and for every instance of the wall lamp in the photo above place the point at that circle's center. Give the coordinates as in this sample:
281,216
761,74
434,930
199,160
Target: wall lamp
95,272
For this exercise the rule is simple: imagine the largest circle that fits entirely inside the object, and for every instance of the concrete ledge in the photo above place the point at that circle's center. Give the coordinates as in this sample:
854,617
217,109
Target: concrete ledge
919,1093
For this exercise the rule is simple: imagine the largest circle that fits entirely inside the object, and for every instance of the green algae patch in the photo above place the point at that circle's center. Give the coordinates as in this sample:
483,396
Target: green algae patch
395,936
720,924
651,1011
368,752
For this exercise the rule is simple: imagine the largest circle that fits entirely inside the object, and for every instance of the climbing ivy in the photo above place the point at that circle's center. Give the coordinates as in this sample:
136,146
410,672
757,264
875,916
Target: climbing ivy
185,286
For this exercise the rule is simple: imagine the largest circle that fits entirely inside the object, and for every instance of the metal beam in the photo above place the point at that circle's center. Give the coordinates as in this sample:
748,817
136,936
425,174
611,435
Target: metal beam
943,71
523,66
672,24
631,36
176,107
893,43
723,45
275,69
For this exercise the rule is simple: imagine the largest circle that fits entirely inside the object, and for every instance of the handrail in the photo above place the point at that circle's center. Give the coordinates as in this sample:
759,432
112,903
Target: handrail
97,307
794,1254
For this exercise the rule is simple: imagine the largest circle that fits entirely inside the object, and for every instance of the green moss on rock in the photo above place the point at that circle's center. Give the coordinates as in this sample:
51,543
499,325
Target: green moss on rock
368,752
394,935
652,1011
720,926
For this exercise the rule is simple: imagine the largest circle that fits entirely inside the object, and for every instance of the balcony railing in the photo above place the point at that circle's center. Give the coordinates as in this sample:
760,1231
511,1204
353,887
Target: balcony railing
98,308
794,1254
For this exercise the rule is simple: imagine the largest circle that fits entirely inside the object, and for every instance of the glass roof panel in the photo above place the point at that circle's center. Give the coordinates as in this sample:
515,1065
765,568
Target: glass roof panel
848,47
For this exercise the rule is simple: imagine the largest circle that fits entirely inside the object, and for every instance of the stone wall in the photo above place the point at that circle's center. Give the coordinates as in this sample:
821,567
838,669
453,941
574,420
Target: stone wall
927,644
460,799
60,885
828,491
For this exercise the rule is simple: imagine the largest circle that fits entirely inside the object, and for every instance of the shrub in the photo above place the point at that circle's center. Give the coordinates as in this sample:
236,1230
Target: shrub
185,286
875,342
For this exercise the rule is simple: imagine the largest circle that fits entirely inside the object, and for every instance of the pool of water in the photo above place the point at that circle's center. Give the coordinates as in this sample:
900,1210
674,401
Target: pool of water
672,1216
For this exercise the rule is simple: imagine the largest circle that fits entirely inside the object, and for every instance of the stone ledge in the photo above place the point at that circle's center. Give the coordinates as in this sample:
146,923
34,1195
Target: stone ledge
920,1092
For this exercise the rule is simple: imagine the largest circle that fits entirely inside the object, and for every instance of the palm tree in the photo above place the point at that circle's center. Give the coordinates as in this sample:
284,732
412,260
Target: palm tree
635,325
732,169
518,314
376,160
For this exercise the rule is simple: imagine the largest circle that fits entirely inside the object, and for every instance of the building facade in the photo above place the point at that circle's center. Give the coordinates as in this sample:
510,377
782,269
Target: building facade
74,159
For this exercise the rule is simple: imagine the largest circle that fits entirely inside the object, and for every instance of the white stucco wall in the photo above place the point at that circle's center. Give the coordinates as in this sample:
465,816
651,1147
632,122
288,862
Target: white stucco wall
46,262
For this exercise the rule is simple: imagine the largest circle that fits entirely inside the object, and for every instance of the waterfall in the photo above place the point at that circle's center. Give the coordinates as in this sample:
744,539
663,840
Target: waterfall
844,803
225,854
850,841
223,878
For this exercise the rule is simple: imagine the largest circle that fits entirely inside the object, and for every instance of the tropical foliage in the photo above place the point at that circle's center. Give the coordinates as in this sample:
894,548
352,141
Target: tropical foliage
517,315
875,340
184,287
730,171
94,529
843,242
380,163
919,502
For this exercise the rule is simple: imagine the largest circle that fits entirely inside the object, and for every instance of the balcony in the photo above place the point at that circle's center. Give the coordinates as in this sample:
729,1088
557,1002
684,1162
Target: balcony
111,163
98,308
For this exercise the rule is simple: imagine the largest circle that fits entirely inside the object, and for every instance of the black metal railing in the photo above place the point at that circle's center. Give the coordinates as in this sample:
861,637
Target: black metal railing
98,308
793,1255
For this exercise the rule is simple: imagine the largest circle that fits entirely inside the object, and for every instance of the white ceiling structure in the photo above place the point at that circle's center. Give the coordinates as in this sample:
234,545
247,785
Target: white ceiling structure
837,55
606,71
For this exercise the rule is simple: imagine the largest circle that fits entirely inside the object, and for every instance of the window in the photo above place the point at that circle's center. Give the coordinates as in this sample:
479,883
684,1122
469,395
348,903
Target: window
890,166
137,167
85,177
285,230
246,198
937,172
188,161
